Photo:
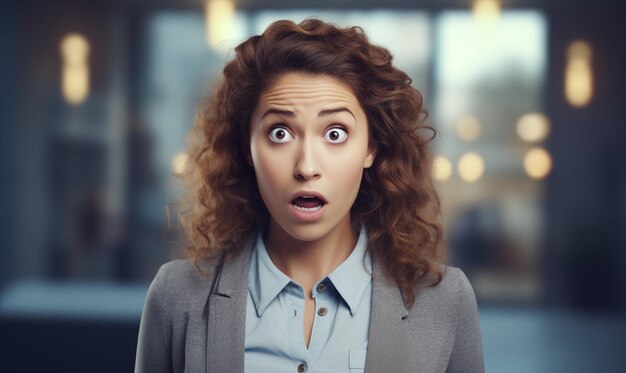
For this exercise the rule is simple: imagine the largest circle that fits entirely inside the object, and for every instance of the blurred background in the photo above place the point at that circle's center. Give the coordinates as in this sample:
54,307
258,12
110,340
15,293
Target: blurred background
527,96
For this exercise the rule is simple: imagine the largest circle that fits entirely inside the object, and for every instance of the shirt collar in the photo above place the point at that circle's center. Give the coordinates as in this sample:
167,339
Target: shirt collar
265,280
351,278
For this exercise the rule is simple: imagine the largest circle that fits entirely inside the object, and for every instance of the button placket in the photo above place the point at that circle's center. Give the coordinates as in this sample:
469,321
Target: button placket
294,328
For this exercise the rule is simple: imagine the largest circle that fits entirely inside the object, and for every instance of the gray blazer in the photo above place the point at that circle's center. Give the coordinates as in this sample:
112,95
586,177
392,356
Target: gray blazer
194,323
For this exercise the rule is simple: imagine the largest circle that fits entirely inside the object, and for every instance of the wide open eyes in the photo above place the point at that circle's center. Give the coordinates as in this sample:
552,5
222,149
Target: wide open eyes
280,135
336,135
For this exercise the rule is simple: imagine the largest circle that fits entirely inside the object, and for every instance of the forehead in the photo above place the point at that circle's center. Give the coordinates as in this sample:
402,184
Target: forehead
299,88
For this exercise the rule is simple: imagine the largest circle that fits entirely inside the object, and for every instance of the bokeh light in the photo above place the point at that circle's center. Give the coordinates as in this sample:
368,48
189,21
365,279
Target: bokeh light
442,168
533,127
486,9
537,163
471,167
219,18
75,68
578,74
179,163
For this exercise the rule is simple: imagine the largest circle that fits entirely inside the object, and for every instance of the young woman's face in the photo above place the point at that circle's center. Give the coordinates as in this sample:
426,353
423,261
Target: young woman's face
309,146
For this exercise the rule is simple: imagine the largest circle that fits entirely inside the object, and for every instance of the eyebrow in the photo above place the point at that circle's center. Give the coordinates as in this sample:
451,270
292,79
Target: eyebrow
322,113
286,113
332,111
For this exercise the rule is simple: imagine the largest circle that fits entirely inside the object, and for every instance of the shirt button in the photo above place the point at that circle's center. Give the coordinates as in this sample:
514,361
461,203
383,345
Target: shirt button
301,367
322,311
321,287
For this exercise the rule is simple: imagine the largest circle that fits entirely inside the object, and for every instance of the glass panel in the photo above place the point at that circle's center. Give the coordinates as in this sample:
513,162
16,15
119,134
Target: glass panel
490,73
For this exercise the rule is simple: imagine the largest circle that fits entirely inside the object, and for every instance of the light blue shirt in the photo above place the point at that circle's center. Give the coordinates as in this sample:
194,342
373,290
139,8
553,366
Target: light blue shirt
275,310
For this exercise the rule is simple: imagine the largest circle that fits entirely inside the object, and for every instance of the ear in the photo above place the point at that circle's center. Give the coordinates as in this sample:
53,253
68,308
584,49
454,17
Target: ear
371,155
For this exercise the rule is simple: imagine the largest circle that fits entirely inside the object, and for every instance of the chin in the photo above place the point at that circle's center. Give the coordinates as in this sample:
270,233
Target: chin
307,232
315,231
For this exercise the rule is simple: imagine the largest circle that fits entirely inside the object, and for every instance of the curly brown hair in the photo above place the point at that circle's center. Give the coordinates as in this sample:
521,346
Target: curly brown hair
397,202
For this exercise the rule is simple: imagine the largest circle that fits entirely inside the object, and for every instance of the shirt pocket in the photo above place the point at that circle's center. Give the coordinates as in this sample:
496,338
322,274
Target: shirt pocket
357,360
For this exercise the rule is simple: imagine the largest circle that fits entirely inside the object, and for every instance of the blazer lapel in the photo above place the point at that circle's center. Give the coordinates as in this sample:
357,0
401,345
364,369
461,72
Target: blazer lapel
227,315
388,344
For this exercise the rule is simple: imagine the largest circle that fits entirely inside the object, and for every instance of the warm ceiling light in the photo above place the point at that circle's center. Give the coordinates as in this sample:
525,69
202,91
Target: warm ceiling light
74,68
486,9
533,127
442,168
220,19
471,167
578,74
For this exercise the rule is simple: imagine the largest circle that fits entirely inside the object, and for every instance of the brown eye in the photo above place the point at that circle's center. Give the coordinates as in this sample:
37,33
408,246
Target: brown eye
280,135
336,135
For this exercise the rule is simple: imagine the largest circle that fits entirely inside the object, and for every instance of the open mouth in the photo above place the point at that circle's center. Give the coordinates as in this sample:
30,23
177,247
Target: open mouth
308,203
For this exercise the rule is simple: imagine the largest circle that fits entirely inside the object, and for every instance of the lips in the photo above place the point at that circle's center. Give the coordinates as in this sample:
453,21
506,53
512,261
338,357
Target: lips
307,206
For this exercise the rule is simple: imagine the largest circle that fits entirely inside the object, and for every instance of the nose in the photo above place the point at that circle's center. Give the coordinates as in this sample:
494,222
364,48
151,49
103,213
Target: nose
307,165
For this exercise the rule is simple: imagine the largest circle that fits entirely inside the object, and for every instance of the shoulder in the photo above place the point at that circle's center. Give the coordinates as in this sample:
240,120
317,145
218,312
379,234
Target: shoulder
177,294
184,272
181,281
454,284
452,295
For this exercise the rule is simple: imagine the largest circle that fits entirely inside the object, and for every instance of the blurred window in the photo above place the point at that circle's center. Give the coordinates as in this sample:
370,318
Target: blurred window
489,75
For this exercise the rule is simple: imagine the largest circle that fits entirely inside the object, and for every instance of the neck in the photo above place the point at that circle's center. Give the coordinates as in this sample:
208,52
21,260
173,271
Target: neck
306,262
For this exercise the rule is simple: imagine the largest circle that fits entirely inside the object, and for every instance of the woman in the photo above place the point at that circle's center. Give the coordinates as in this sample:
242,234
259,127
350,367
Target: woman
312,223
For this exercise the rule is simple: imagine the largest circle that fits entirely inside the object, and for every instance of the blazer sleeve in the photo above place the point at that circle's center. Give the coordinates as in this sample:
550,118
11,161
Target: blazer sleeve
467,353
154,341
